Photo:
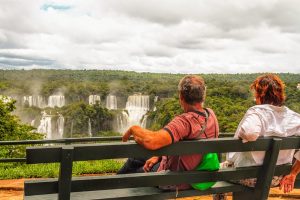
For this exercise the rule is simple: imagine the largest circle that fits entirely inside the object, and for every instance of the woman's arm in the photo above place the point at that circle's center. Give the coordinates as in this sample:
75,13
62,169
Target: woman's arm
247,137
287,183
249,128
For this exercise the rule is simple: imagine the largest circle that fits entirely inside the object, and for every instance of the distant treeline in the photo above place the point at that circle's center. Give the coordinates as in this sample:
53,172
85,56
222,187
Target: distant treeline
227,94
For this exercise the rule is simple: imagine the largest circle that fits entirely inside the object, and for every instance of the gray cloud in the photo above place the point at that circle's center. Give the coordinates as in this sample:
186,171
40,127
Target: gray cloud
177,36
7,59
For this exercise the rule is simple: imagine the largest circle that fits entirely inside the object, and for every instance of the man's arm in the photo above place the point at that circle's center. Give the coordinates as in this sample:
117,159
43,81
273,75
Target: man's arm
149,139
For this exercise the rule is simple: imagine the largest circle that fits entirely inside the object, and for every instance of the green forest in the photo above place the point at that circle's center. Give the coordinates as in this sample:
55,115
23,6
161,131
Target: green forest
227,94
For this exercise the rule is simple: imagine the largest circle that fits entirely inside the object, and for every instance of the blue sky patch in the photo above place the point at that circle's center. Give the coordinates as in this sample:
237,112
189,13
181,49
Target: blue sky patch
60,7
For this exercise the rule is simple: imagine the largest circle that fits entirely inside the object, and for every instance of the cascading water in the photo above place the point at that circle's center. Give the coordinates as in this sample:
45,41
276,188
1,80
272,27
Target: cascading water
27,99
155,100
37,101
136,106
45,125
90,128
111,102
56,100
144,121
94,99
50,129
32,122
60,126
122,122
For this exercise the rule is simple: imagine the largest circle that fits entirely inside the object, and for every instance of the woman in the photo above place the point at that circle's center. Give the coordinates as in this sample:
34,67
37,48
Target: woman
269,117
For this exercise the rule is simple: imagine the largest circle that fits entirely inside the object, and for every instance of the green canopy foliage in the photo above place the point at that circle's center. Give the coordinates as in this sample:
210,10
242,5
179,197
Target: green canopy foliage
227,94
12,129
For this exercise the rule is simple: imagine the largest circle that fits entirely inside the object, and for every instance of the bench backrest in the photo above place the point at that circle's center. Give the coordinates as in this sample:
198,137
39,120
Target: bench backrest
67,154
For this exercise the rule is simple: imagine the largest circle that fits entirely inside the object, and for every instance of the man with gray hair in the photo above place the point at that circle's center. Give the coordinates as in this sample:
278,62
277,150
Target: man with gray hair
196,122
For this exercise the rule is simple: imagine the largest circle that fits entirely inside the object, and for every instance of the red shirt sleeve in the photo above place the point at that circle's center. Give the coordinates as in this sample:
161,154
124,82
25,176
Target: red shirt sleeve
178,128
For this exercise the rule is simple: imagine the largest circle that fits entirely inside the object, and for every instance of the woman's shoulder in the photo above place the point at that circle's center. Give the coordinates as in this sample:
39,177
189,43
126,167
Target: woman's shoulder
267,108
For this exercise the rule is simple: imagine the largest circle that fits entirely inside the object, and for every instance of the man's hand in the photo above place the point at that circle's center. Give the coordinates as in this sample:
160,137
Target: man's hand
151,140
287,183
150,163
127,135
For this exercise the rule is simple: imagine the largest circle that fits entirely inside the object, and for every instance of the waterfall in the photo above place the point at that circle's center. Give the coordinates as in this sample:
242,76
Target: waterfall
60,126
144,121
137,106
122,122
49,128
45,125
155,100
32,122
27,99
94,99
72,123
37,101
56,100
90,128
111,102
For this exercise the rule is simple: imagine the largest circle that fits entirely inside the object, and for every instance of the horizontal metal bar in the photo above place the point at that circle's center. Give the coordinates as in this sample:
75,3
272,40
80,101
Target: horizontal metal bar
76,140
4,160
63,141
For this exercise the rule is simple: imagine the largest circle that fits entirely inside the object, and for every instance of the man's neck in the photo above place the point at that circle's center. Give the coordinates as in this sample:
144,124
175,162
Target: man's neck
195,107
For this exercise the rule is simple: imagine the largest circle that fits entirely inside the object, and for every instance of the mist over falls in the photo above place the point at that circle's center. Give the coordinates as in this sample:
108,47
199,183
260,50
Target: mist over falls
40,102
111,102
54,123
94,99
103,118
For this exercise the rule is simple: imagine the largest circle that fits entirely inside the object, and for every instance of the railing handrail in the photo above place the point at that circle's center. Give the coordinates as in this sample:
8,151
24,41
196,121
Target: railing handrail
63,140
72,140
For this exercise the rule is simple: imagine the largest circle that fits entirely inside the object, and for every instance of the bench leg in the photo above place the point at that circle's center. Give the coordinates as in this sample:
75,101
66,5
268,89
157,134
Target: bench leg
65,173
243,195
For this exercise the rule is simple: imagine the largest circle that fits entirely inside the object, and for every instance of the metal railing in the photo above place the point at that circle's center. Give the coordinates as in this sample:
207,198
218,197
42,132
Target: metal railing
65,141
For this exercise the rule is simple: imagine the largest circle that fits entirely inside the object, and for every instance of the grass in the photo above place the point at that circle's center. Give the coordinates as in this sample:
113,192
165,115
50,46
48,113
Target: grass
20,170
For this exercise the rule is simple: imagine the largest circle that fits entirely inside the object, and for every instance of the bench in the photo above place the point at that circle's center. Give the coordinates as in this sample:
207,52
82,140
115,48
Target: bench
143,185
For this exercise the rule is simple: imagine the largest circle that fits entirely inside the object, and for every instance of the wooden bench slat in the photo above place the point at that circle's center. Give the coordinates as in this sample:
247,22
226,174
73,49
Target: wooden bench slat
131,149
143,193
88,183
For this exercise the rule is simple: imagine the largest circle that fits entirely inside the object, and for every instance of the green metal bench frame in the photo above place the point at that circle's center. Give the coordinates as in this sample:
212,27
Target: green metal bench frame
143,185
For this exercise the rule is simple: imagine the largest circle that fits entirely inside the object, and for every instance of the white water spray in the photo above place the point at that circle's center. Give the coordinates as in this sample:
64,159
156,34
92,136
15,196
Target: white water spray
94,99
111,102
56,100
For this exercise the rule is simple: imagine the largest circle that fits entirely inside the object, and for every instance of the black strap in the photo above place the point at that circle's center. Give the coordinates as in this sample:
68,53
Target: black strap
203,128
205,114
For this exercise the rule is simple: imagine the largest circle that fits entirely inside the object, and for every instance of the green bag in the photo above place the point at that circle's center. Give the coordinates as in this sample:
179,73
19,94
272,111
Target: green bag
210,162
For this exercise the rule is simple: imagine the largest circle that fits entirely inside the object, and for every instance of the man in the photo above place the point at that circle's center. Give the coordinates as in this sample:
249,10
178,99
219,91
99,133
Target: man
196,122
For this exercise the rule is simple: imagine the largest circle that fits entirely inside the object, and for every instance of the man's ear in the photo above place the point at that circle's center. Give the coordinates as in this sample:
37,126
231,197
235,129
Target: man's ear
181,97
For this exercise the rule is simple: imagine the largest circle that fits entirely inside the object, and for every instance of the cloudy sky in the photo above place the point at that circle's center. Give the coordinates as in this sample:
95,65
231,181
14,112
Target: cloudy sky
174,36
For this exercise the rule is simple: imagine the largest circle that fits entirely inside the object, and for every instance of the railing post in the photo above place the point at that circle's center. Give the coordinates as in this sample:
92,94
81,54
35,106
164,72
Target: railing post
65,173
